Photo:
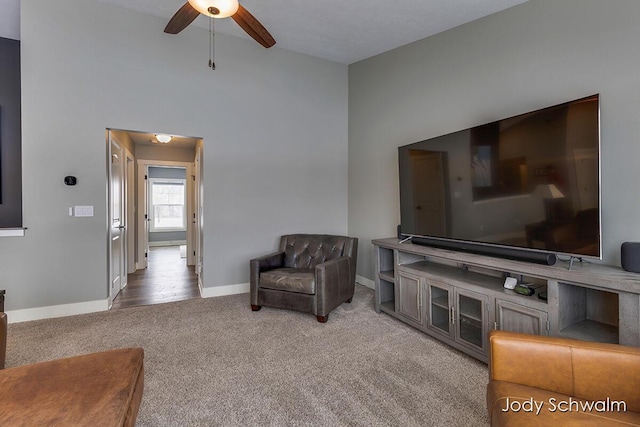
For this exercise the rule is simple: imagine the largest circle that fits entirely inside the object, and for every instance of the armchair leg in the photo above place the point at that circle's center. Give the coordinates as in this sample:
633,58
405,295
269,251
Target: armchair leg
255,307
323,319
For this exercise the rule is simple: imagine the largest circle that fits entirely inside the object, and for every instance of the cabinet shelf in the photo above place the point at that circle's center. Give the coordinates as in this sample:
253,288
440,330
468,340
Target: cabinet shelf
388,306
470,308
591,330
440,318
471,317
442,302
385,280
472,333
387,275
589,314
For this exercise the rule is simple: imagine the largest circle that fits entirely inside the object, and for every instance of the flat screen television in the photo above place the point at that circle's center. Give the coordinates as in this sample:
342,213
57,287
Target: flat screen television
528,184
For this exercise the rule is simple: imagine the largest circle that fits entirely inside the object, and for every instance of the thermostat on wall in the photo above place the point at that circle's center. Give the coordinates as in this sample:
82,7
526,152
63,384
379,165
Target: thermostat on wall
70,180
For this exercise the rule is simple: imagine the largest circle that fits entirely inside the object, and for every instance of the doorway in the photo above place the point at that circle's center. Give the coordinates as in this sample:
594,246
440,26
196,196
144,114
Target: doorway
162,218
166,279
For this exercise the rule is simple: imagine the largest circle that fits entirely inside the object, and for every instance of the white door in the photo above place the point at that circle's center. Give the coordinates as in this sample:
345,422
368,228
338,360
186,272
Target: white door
192,225
199,211
117,247
130,213
143,216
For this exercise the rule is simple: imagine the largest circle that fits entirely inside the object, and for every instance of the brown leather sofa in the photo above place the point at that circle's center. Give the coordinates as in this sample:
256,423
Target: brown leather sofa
536,381
97,389
312,273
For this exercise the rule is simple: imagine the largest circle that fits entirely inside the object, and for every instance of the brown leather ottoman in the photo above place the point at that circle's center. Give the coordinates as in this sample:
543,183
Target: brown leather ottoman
98,389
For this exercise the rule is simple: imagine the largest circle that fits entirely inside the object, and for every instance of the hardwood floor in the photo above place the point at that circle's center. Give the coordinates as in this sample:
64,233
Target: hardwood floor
167,279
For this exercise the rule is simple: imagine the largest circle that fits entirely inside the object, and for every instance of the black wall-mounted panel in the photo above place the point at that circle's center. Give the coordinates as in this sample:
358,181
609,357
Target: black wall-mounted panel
10,135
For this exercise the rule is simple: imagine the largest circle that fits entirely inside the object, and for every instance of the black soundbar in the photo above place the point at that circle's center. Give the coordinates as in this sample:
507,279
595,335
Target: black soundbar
544,258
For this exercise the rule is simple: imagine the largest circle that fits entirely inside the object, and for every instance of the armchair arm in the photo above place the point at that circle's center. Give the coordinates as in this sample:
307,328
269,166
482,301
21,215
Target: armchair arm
582,369
333,284
257,266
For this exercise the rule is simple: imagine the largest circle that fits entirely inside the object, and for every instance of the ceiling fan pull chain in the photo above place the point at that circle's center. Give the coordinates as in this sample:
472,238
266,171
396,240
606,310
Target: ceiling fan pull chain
212,64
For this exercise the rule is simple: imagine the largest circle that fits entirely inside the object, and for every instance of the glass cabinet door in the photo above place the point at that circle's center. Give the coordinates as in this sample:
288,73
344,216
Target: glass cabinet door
471,319
439,307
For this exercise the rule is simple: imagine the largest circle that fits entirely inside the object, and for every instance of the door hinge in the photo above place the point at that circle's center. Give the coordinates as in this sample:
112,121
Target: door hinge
194,253
146,254
145,177
146,216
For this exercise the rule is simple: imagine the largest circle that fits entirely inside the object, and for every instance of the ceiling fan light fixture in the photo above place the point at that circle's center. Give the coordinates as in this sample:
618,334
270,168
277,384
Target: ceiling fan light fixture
163,139
225,8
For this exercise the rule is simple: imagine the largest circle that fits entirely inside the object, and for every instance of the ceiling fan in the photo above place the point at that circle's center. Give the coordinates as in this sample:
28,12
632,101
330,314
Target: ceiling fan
220,9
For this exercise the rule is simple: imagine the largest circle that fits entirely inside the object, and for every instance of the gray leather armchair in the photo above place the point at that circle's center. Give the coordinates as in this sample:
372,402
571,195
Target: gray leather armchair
312,273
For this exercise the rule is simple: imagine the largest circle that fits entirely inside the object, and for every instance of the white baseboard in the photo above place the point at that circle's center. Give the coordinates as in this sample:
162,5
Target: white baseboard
49,312
243,288
200,285
366,282
27,314
218,291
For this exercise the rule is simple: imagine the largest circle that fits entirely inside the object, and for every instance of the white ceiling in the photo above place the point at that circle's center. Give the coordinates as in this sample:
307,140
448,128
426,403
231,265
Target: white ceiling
344,31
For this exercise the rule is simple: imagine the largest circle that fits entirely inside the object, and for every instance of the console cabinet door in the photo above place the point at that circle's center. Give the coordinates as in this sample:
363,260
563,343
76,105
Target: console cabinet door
439,307
471,319
518,318
410,296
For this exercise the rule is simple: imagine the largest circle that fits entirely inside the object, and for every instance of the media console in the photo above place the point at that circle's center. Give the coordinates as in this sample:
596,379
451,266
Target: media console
458,297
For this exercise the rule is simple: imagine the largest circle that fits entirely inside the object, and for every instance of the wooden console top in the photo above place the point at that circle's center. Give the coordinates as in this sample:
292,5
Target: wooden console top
585,273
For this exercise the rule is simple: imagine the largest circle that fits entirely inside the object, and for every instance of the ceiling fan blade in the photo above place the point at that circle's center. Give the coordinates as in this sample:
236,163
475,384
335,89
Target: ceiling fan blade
253,27
181,20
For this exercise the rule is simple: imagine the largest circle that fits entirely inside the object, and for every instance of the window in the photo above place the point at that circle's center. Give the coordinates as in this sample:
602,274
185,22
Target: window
168,204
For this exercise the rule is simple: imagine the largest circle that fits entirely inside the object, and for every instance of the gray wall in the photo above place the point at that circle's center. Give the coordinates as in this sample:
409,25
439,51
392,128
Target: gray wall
10,178
273,166
164,153
535,55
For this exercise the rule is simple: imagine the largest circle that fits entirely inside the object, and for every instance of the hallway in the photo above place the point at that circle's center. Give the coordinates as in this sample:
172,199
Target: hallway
167,279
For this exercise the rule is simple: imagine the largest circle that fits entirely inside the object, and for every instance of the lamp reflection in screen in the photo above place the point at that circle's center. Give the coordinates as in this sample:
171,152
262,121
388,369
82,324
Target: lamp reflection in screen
550,193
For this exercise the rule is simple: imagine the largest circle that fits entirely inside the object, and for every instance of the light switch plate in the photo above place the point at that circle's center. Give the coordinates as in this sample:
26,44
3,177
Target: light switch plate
83,211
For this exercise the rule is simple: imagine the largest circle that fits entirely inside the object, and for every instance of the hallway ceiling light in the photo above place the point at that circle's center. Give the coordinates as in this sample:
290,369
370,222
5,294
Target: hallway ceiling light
163,139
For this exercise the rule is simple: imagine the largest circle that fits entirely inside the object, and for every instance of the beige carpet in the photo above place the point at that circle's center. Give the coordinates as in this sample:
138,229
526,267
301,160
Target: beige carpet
214,362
